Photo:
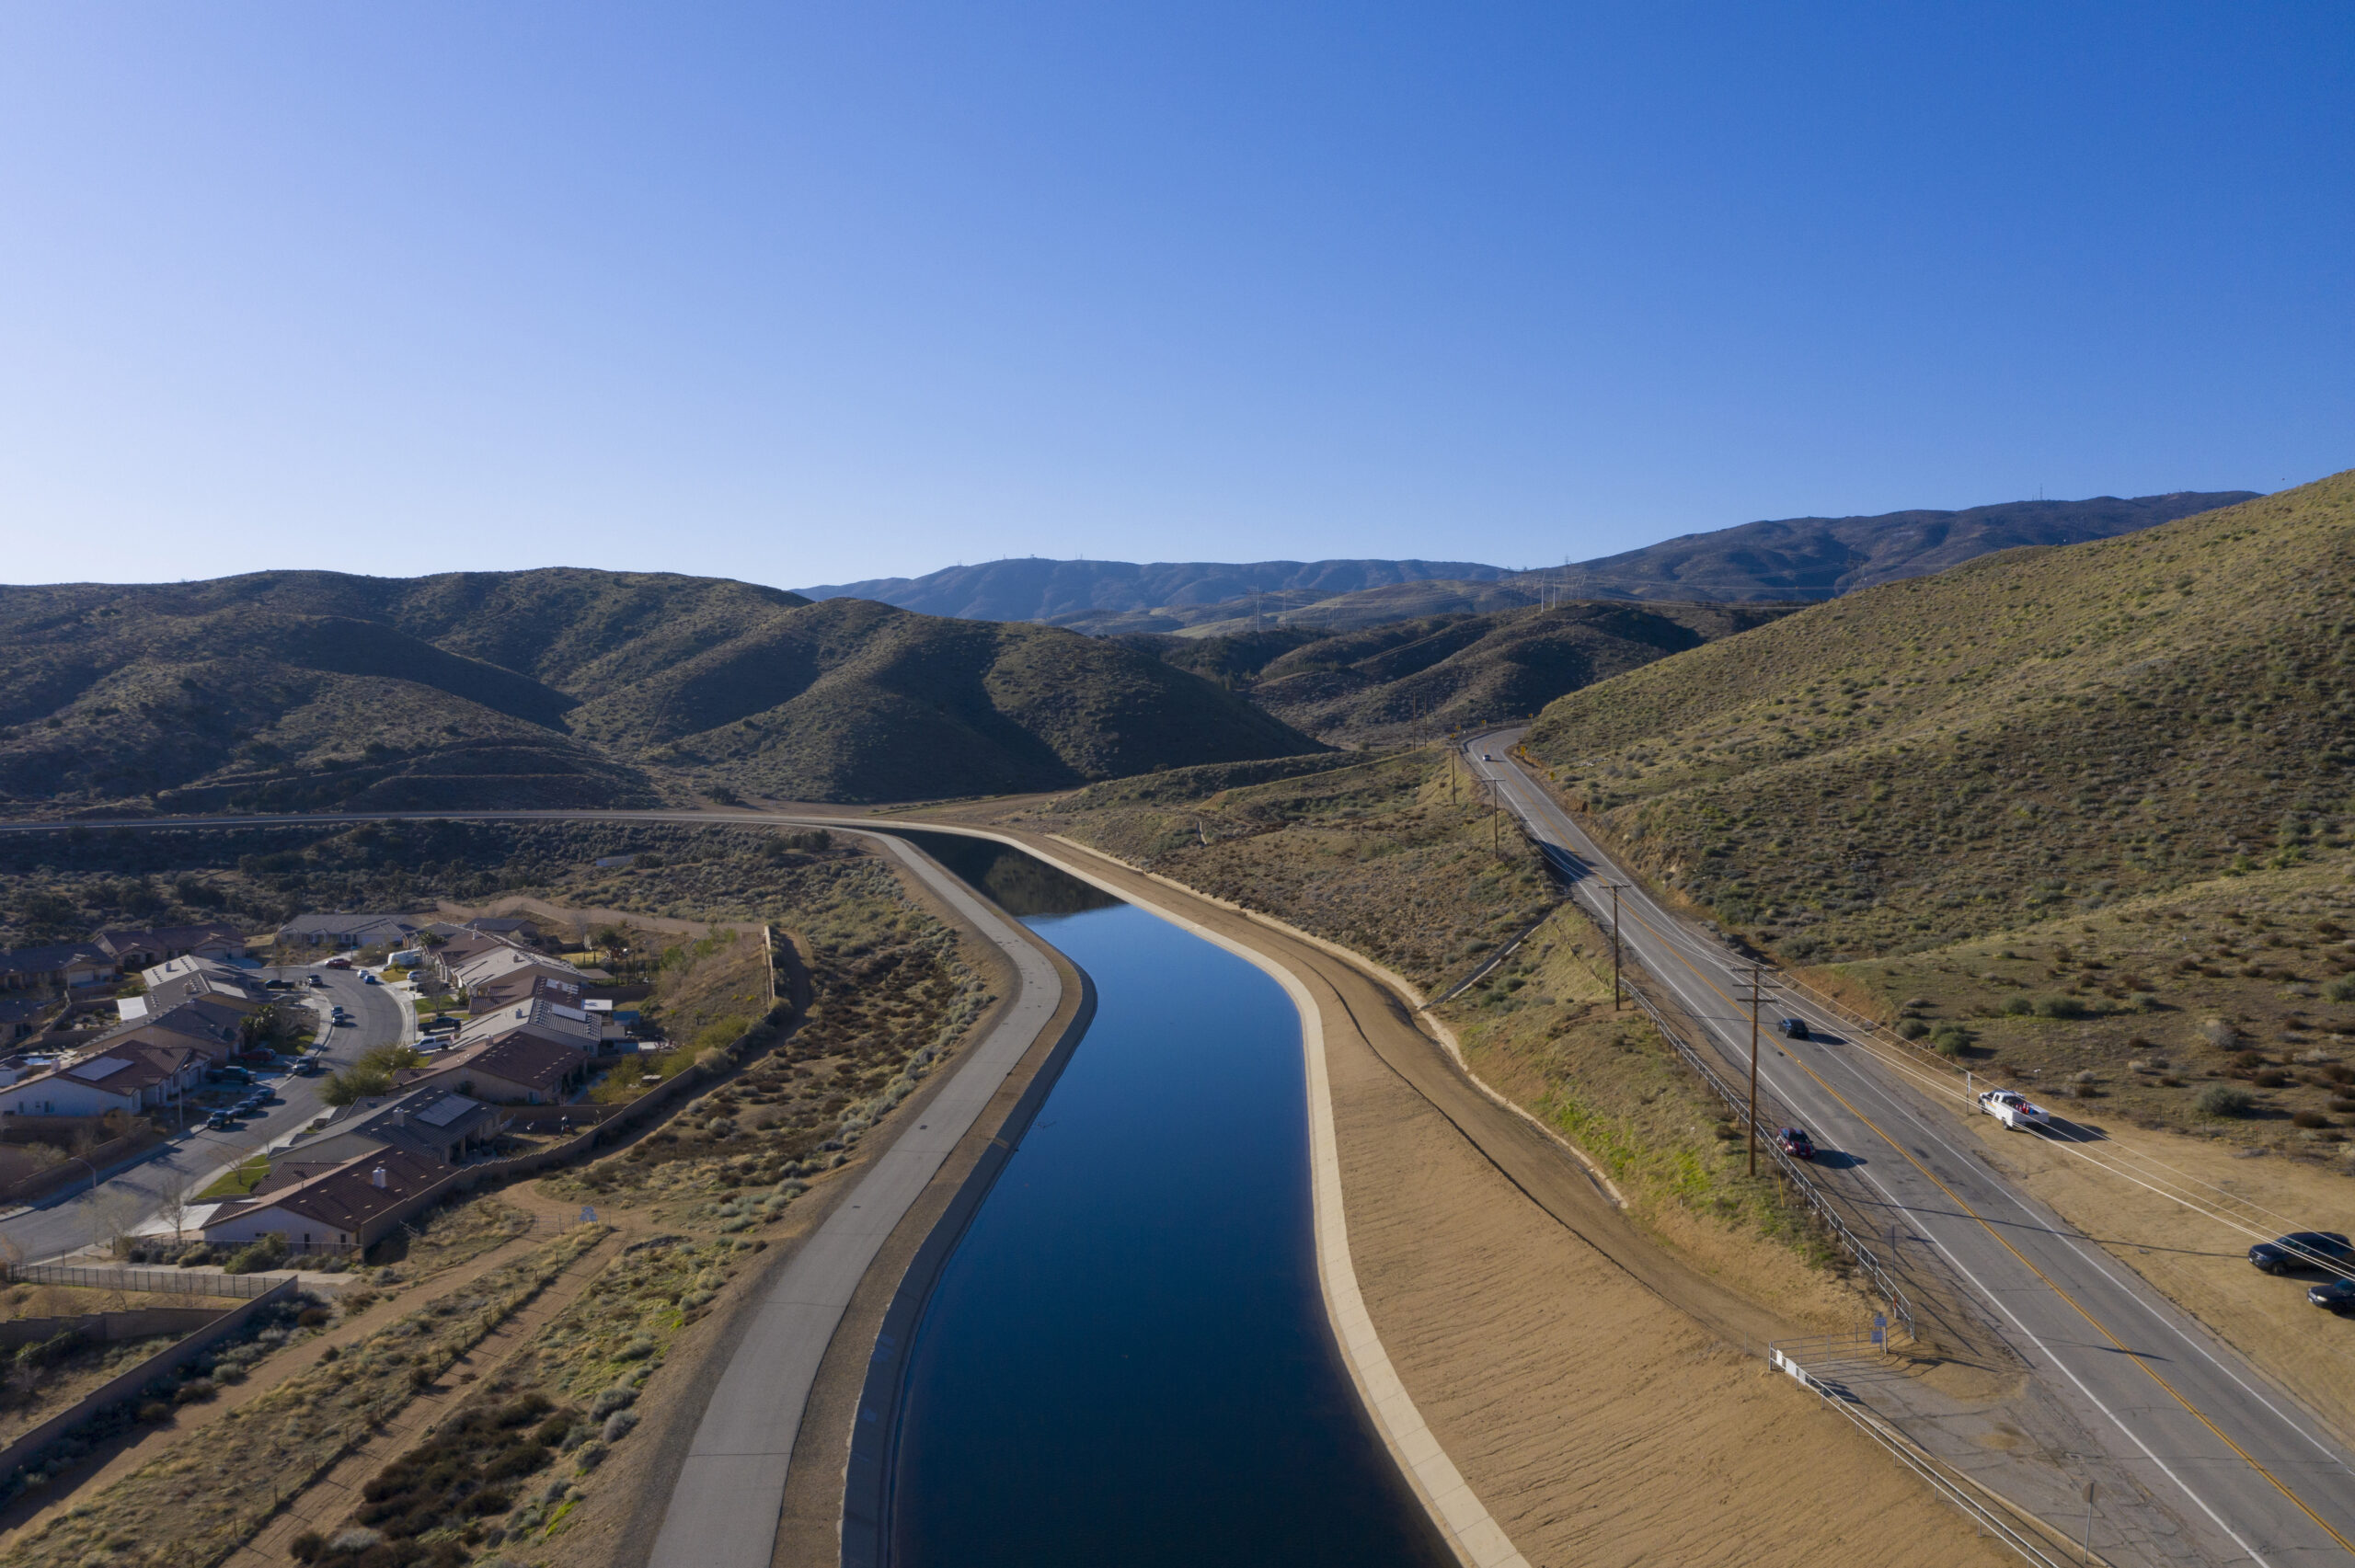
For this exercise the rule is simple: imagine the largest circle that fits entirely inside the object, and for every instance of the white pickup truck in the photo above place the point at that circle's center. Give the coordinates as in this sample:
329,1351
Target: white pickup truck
2012,1108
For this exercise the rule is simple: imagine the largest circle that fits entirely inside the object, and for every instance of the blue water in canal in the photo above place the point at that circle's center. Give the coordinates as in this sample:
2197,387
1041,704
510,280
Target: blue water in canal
1127,1360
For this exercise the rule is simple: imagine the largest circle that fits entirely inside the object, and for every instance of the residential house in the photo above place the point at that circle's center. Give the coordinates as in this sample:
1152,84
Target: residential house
341,932
535,982
559,1024
145,949
213,1028
351,1205
517,1069
62,966
436,1120
130,1078
193,978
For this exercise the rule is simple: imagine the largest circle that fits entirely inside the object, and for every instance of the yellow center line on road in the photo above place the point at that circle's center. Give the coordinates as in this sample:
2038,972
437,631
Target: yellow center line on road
1989,1226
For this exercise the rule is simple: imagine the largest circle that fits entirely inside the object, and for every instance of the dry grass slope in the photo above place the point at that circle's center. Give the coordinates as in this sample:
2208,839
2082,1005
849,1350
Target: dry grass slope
2033,733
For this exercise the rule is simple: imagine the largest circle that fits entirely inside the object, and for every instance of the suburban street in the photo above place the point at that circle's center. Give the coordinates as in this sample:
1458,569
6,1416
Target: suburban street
2197,1457
191,1159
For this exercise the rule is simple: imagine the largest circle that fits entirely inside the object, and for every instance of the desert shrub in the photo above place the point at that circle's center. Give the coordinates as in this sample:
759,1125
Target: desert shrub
1913,1029
2219,1033
466,1468
2059,1007
195,1390
269,1253
2222,1100
1949,1039
2271,1078
2310,1119
618,1425
51,1351
2341,990
2018,1006
307,1547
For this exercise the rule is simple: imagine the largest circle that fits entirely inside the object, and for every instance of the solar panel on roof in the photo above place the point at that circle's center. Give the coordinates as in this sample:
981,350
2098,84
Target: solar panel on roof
442,1113
91,1072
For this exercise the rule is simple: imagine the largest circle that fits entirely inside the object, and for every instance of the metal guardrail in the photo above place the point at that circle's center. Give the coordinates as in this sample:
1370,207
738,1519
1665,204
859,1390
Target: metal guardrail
161,1281
1901,1306
1794,1358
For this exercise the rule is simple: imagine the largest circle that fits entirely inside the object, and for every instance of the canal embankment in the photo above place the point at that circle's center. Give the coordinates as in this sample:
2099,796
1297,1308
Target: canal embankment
1602,1399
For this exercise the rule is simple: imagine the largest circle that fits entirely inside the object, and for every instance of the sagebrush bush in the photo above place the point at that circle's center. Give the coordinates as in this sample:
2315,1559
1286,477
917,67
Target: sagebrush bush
2222,1100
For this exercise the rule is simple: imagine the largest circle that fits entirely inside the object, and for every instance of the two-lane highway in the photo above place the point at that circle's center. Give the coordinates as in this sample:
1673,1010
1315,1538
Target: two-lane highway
2227,1466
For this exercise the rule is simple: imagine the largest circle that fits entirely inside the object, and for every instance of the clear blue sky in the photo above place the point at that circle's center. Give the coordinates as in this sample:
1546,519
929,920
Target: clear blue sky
808,293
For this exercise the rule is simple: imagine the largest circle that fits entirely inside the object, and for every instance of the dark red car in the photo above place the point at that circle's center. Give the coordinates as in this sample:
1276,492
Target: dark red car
1795,1143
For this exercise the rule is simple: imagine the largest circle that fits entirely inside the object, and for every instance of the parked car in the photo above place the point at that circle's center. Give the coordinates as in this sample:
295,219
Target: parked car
2335,1295
306,1068
369,980
222,1121
317,980
1796,1028
2301,1249
1795,1143
2012,1108
278,984
227,1074
337,964
442,1025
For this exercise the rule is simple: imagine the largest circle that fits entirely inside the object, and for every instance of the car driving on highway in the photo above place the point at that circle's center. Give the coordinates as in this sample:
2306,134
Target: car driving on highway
2012,1108
1795,1143
2301,1249
1793,1028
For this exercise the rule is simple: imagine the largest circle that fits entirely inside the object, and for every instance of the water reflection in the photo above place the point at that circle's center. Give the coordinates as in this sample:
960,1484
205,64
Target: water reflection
1017,883
1127,1360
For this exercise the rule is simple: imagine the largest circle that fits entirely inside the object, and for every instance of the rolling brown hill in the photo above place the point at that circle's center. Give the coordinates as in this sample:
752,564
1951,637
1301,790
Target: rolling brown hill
1436,673
564,687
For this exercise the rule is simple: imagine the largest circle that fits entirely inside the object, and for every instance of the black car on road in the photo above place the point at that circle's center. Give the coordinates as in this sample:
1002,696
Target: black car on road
2301,1249
1795,1028
2334,1295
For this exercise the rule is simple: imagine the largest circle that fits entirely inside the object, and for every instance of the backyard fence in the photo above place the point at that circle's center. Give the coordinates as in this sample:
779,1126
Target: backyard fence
162,1281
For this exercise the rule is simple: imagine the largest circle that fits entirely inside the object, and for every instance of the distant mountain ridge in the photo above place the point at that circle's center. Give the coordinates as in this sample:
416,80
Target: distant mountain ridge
1784,560
1035,589
1822,557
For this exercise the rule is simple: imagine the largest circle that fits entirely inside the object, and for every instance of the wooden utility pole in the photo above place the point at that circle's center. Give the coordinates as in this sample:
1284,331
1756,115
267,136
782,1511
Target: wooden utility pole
1754,1070
1615,1003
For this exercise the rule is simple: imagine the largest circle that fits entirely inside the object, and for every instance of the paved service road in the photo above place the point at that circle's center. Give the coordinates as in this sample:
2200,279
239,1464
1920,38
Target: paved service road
724,1507
2217,1463
196,1155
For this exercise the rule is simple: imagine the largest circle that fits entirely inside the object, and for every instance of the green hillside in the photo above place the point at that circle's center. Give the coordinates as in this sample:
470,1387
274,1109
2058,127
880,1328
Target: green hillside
2031,733
564,687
